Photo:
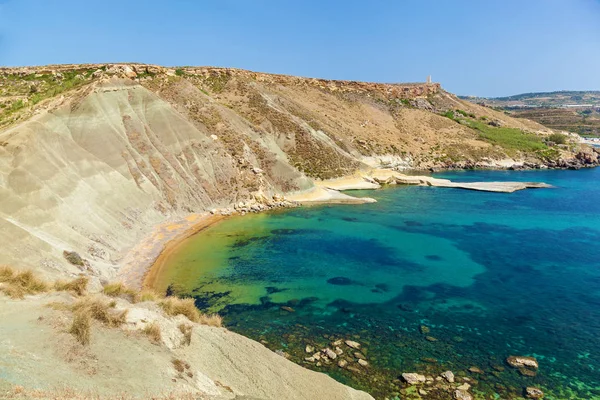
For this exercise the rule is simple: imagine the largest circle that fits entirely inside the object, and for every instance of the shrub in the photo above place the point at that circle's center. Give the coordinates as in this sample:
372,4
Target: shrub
80,328
153,332
557,138
78,285
73,258
179,72
174,306
449,114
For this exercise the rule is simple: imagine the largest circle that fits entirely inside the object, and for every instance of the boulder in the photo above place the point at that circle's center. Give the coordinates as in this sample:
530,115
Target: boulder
329,353
462,395
353,344
522,361
412,378
364,363
448,375
533,393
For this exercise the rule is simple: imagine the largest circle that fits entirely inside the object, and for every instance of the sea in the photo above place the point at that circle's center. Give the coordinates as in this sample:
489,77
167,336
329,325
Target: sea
426,280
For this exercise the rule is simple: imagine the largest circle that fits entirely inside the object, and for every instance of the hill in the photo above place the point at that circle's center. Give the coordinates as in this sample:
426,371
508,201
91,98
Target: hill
100,164
572,111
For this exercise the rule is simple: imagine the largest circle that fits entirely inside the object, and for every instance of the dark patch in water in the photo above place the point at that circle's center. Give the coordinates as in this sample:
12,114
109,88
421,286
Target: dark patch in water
273,289
204,300
412,223
341,281
350,219
245,242
384,287
433,257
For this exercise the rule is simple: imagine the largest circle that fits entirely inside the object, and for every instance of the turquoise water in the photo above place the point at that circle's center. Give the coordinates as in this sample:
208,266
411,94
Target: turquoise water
490,275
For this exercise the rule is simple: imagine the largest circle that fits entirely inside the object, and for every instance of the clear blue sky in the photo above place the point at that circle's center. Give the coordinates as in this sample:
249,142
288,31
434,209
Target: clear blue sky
478,47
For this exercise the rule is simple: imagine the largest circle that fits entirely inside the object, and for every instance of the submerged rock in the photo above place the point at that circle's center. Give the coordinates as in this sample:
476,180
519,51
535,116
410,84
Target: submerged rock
462,395
329,353
362,362
522,361
342,363
475,370
412,378
353,344
448,375
309,349
533,393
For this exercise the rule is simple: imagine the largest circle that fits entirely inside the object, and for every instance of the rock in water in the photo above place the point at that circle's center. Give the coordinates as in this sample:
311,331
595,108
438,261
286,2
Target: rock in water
309,348
364,363
522,361
330,353
449,376
533,393
412,379
462,395
342,363
353,344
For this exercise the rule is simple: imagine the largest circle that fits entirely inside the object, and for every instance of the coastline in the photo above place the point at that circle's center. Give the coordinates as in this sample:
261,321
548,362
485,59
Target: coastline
165,238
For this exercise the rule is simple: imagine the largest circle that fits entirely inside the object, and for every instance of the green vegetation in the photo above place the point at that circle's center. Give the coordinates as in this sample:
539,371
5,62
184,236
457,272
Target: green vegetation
217,82
557,138
510,139
179,72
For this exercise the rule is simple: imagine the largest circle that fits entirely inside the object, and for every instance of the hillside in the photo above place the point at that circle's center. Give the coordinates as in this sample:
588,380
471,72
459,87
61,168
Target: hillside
93,158
96,154
572,111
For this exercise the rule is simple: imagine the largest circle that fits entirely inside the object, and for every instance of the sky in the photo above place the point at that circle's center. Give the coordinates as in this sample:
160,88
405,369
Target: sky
472,47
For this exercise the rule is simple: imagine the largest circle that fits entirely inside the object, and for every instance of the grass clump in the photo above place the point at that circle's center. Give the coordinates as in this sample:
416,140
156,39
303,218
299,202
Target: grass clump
153,332
81,327
174,306
186,330
17,285
147,295
118,289
101,310
211,320
77,286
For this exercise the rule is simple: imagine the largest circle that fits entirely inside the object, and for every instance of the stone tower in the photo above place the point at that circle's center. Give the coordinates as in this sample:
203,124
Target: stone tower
428,78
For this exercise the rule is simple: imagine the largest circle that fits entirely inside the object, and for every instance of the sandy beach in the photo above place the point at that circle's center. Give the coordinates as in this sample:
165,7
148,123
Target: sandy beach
144,262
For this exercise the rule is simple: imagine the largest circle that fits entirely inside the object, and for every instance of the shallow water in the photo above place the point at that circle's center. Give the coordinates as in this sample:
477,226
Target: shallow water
489,274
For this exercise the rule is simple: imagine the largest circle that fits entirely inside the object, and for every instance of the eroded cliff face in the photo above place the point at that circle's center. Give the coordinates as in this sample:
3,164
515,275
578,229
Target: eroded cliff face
91,157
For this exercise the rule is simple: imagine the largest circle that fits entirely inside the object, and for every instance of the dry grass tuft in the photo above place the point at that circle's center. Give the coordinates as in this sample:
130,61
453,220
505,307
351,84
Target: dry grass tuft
180,365
147,295
17,285
211,320
118,289
101,311
153,332
174,306
78,285
81,327
186,330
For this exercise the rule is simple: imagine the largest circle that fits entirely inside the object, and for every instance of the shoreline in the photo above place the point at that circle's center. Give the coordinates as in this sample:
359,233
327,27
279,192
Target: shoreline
143,260
164,239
